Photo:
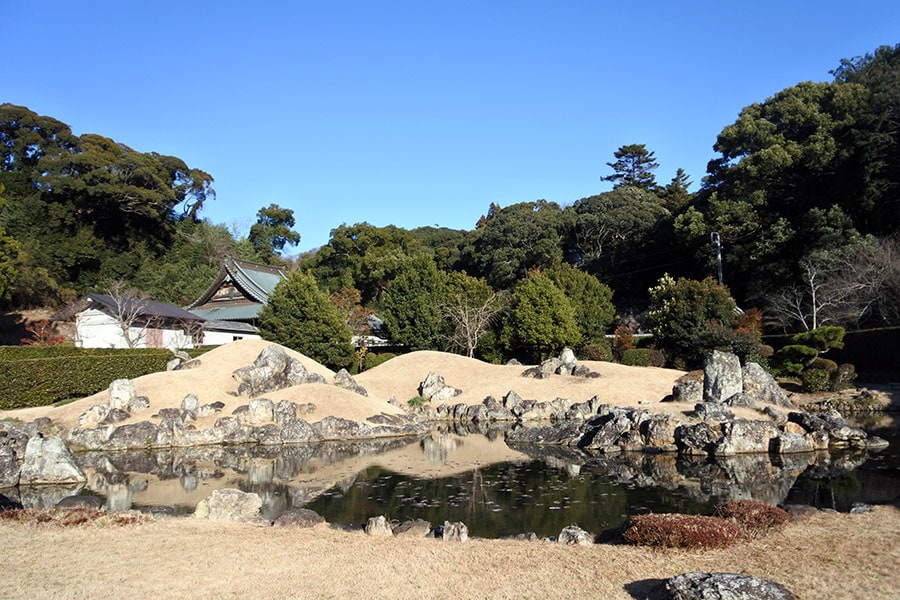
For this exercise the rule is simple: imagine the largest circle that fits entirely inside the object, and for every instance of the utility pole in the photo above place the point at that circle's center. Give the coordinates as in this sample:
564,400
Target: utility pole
717,244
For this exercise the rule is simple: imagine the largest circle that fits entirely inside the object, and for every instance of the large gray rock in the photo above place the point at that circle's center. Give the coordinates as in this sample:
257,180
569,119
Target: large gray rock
262,410
301,518
575,535
272,370
659,432
689,391
791,443
15,438
299,431
435,389
229,504
743,436
379,527
697,438
9,468
121,393
455,532
93,416
762,387
722,377
344,380
724,586
49,461
416,528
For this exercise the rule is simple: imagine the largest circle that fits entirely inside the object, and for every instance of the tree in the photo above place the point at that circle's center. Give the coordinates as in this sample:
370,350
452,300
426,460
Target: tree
272,232
591,300
514,240
9,254
364,257
682,310
131,314
634,167
298,315
541,320
471,308
675,195
411,305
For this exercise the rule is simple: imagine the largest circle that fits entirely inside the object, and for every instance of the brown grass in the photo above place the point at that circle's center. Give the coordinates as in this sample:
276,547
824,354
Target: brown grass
829,556
691,532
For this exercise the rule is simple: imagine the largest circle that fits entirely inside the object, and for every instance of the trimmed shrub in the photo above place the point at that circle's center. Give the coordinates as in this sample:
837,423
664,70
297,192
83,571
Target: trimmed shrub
373,360
754,518
681,531
643,357
825,364
815,380
601,350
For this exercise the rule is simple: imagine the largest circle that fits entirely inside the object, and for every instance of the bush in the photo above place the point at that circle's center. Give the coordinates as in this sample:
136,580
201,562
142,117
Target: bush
681,531
416,401
42,375
373,360
643,357
825,364
601,350
754,518
815,380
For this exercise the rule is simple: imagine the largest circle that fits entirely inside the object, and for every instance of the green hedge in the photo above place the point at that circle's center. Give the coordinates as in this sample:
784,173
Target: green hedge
40,375
643,357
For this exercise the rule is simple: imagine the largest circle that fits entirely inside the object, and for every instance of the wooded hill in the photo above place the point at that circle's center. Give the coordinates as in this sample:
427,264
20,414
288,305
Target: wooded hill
804,196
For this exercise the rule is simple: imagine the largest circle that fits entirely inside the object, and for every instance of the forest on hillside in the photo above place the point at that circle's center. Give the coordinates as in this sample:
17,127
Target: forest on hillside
802,202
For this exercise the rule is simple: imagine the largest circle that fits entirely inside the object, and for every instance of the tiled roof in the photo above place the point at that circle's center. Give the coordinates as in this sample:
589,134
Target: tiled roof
229,313
142,308
255,281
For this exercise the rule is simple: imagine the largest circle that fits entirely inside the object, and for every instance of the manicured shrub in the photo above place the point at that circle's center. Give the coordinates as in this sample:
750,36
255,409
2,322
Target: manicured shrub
754,518
681,531
815,380
601,350
373,360
825,364
643,357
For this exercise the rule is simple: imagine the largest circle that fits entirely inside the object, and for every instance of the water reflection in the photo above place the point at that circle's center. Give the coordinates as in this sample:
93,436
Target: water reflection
459,475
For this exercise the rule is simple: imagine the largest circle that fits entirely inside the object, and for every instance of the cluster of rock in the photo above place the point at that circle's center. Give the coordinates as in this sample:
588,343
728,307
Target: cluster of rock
564,364
35,460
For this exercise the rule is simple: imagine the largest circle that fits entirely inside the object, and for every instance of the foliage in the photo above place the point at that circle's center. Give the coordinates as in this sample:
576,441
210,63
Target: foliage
540,321
675,196
591,299
643,357
42,375
691,532
754,518
42,333
682,310
301,317
600,350
364,257
634,167
412,305
747,345
416,401
815,380
373,359
9,254
512,241
822,339
623,340
271,232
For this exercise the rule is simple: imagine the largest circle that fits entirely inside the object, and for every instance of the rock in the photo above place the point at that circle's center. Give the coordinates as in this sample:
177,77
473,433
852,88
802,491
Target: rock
551,366
190,403
141,435
229,504
93,416
741,399
415,529
188,364
791,443
876,443
78,501
138,404
794,428
722,376
659,432
436,390
859,508
272,370
710,411
344,380
724,586
379,527
299,431
9,468
13,437
568,360
261,410
762,387
576,536
743,436
210,409
49,461
301,518
689,391
696,439
121,393
776,415
116,415
455,532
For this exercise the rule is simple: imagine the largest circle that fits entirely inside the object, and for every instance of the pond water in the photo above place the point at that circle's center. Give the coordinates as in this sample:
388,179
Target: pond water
496,489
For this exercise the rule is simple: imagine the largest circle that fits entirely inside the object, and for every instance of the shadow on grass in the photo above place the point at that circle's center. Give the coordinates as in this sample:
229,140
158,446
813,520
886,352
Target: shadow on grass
647,589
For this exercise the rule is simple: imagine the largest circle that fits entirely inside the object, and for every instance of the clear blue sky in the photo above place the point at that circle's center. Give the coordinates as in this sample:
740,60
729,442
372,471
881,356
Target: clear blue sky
417,113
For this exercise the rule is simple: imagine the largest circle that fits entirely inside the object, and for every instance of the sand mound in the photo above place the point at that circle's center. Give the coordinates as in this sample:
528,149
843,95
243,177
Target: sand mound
400,377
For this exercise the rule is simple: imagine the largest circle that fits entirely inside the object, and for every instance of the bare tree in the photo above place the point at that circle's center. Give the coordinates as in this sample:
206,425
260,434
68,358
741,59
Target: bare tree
470,319
130,310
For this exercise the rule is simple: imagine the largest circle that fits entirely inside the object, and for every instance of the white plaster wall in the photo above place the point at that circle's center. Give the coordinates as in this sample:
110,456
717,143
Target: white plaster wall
96,329
219,338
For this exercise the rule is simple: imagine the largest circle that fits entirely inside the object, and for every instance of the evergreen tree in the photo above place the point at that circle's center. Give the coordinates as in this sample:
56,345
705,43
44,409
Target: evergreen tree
541,320
591,300
412,305
634,166
298,315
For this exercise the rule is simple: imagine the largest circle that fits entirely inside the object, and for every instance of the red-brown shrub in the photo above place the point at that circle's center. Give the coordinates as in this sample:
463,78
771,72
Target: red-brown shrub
753,517
681,531
73,517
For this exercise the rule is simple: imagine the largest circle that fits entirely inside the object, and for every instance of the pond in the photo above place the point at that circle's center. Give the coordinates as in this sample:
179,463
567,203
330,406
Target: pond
496,489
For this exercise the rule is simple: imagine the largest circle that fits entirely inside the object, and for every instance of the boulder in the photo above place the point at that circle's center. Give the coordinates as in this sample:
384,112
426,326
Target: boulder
743,436
575,535
379,527
697,438
298,431
724,586
229,504
80,502
116,415
568,361
93,416
49,461
689,391
791,443
272,370
776,415
455,532
710,411
344,380
9,468
435,389
139,435
415,529
138,404
261,410
121,393
659,432
762,387
301,518
13,437
722,377
741,399
190,403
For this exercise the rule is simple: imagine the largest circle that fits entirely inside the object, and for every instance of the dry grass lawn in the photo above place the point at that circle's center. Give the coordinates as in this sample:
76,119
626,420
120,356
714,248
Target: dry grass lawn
828,556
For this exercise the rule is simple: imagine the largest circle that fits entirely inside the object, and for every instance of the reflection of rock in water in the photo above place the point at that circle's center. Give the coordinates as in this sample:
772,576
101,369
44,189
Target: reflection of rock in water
437,447
46,496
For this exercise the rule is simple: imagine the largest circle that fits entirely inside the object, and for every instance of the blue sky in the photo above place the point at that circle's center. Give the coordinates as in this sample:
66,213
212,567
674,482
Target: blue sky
418,113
